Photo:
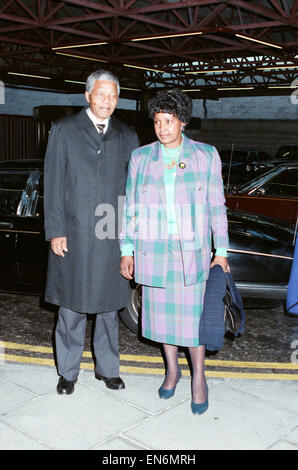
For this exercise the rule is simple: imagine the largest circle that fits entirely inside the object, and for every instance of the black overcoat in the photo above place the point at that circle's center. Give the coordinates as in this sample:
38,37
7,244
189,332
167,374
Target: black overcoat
85,174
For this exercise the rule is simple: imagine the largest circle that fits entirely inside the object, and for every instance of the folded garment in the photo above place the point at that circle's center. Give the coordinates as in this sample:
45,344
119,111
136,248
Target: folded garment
212,324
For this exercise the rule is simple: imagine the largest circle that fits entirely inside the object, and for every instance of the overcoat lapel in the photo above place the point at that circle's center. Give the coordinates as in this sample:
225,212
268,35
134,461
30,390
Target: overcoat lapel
84,122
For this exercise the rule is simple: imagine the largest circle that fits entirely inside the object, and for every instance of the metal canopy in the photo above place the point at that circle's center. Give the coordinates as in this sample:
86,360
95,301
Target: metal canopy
213,48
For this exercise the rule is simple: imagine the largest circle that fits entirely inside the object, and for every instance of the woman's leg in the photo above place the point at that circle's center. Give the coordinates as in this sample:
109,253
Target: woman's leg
199,385
171,353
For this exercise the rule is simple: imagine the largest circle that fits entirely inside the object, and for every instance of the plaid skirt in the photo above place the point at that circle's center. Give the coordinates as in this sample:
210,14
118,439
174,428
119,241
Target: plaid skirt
171,314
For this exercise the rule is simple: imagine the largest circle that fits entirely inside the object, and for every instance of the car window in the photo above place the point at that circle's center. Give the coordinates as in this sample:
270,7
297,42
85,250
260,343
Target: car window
240,156
252,157
264,156
237,156
12,190
283,184
290,152
225,156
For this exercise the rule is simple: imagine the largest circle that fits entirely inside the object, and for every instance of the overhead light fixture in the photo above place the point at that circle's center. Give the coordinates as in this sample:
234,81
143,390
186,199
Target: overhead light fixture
278,67
75,81
29,75
81,57
84,83
236,88
79,45
143,68
258,40
193,89
129,89
211,71
178,35
282,86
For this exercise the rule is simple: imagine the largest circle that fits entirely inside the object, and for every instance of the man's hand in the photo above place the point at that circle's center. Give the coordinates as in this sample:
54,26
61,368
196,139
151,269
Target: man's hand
223,261
59,245
126,267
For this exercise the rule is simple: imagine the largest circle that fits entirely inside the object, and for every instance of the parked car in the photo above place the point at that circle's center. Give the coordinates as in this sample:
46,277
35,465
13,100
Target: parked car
273,194
241,165
260,252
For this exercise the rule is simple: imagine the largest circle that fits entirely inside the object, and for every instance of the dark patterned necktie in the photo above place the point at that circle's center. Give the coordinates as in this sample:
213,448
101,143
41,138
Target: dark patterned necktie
100,128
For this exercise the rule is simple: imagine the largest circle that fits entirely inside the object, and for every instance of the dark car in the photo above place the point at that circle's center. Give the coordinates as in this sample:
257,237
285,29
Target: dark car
241,165
260,258
273,194
260,253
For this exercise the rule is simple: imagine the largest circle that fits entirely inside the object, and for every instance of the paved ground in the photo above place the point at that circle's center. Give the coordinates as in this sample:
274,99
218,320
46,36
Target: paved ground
253,384
242,415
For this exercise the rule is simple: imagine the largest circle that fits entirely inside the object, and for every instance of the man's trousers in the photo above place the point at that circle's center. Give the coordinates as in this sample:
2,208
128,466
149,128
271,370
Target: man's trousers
70,341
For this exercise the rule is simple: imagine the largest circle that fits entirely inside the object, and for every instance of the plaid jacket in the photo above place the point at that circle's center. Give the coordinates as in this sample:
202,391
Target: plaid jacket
199,205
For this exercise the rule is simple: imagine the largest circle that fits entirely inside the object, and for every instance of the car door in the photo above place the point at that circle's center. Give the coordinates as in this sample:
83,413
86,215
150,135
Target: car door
31,247
276,198
12,196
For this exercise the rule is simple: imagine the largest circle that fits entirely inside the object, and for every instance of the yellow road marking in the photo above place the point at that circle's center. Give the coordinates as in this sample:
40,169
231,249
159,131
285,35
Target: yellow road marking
26,347
155,371
159,359
27,359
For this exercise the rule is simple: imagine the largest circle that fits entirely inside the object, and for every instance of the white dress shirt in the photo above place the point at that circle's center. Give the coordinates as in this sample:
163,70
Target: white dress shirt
95,120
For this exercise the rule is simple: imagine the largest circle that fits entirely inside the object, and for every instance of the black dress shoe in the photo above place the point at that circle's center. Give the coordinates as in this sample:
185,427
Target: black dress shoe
65,386
115,383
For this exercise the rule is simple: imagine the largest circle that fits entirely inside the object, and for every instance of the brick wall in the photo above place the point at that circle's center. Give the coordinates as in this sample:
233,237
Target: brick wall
259,134
22,102
254,107
263,123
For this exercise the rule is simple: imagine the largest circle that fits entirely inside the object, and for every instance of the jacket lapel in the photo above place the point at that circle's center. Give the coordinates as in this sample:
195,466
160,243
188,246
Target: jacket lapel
156,170
184,174
185,168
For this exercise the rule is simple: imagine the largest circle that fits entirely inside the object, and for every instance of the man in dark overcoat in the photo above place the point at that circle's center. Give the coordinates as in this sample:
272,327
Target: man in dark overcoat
85,173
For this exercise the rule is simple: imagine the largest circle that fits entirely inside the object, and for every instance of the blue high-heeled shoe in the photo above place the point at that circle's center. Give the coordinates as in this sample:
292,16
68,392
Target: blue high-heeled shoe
164,393
200,408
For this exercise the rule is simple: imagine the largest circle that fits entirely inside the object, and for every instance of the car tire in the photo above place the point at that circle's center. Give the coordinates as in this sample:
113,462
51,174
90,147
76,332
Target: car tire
131,314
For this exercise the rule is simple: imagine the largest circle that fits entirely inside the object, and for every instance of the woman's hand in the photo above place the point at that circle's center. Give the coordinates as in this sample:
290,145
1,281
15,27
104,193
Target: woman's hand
126,267
223,261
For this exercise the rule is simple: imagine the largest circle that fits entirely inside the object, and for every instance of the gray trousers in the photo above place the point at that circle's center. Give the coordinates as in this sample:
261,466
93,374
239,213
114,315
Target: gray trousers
70,341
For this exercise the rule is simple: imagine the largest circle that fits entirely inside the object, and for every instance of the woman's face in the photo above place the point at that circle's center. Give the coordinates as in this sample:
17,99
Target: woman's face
168,129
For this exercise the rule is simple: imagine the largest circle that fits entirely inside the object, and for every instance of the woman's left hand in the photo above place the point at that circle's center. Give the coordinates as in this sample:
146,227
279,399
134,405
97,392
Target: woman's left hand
223,261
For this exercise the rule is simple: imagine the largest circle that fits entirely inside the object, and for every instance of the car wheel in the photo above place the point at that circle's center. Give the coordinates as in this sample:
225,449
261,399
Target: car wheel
130,315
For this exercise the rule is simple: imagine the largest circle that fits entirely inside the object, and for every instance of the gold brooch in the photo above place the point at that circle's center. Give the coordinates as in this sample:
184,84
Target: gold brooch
182,165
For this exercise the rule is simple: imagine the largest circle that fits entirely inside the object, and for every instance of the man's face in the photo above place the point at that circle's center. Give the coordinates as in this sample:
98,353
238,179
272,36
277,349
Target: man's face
103,98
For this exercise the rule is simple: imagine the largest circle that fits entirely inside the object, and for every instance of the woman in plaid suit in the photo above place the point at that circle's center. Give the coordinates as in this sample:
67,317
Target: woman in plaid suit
174,205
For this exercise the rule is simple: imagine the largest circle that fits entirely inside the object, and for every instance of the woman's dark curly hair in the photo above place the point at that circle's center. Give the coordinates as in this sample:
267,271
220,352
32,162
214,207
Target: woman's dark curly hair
172,101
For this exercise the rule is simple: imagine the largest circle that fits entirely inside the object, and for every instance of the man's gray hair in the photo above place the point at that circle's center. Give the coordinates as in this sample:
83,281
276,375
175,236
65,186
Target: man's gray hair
101,75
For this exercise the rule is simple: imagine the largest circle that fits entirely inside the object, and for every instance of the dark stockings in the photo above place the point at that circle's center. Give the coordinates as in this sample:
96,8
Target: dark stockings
199,385
171,353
